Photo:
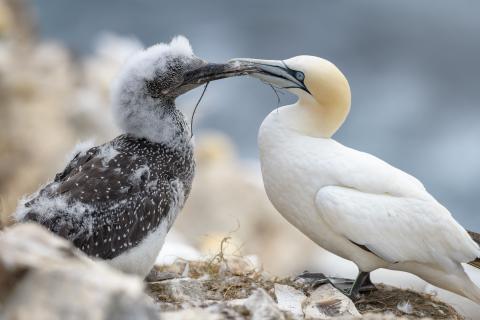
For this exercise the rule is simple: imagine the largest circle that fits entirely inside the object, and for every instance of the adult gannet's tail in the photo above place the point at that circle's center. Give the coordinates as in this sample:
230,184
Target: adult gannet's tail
476,237
475,263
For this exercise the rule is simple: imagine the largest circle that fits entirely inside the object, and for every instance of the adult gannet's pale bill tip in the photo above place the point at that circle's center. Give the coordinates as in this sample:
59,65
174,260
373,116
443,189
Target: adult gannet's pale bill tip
350,202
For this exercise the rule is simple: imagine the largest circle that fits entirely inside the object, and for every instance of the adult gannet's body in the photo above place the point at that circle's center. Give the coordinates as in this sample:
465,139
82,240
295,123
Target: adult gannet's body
350,202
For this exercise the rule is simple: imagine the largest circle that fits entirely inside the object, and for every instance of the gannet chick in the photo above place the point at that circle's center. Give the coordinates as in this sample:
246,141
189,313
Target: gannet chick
118,200
350,202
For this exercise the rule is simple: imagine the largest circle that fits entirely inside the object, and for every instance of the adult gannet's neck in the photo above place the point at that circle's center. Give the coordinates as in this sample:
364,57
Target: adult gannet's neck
323,92
310,118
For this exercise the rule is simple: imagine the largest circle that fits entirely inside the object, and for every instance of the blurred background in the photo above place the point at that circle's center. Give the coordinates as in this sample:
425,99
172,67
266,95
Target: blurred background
413,68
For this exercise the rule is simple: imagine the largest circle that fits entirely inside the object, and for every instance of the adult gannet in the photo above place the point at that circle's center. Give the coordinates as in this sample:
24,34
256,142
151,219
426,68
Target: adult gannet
350,202
118,200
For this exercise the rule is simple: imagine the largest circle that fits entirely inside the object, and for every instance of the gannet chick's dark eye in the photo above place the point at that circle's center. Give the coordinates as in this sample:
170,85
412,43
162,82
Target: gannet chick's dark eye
164,81
168,80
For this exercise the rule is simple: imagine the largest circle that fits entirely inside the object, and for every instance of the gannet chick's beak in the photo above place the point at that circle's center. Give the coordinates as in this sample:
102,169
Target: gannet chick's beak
203,72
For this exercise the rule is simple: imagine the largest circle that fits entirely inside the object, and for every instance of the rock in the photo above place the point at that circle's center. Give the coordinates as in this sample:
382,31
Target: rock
45,277
262,306
290,300
184,290
192,314
232,310
379,316
327,302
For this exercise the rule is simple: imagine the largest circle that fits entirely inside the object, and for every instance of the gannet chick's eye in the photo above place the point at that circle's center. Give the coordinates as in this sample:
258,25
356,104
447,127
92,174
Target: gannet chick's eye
171,76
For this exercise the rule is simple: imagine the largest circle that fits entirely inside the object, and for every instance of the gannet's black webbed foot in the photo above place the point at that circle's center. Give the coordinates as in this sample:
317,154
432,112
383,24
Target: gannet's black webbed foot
351,288
362,284
157,276
315,280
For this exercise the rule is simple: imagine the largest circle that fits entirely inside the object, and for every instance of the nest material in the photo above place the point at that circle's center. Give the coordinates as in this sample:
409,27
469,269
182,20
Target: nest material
226,279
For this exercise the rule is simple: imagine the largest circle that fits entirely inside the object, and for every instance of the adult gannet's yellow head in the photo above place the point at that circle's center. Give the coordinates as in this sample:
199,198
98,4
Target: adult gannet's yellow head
323,91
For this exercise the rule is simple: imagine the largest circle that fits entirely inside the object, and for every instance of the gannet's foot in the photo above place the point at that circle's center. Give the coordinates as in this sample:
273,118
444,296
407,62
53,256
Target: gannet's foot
362,284
156,276
315,280
346,286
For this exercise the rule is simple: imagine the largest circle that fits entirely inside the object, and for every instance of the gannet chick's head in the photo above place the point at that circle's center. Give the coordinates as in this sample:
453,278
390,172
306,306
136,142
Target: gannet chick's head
323,91
144,93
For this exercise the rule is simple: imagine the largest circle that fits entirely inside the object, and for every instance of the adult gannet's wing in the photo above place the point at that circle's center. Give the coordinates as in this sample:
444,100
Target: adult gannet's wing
367,173
396,229
390,213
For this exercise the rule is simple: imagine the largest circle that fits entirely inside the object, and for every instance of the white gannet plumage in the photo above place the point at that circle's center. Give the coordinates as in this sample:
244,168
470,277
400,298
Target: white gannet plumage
350,202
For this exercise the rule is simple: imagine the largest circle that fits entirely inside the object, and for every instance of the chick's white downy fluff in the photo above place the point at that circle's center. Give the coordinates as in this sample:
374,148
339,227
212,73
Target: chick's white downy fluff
134,109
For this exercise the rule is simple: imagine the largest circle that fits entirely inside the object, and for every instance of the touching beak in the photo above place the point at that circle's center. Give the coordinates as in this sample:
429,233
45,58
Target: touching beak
274,72
214,71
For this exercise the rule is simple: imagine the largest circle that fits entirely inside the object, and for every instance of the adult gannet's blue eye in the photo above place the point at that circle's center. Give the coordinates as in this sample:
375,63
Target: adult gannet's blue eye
299,75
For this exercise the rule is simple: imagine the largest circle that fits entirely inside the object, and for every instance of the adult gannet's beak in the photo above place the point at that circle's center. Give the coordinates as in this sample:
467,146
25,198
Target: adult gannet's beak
275,72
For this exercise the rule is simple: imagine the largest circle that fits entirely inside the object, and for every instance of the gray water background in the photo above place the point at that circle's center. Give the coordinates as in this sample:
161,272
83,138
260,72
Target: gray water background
413,67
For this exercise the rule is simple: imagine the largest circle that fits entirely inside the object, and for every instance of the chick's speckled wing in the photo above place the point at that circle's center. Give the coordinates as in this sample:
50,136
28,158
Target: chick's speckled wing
111,197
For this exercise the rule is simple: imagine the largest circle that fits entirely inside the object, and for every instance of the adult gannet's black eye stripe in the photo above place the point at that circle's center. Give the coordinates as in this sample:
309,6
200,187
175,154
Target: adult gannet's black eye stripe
299,75
290,79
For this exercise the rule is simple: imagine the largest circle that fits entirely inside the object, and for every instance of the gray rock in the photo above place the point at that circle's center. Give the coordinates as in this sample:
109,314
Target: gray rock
192,314
290,300
327,302
45,277
379,316
186,291
262,306
231,310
